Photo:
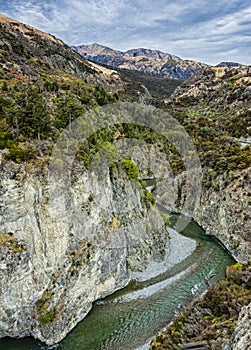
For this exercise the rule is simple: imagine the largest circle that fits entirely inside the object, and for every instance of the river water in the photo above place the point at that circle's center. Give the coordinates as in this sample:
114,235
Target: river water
129,318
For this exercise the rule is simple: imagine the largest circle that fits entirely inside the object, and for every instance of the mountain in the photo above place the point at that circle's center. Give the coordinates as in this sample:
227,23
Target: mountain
30,55
98,50
141,52
152,62
25,49
228,64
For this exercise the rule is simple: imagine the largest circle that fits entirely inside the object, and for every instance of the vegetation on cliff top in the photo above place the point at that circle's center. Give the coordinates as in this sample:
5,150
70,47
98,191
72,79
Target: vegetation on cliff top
214,108
44,86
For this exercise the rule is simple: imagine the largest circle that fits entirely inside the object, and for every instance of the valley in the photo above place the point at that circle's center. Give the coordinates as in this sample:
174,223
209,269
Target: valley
79,143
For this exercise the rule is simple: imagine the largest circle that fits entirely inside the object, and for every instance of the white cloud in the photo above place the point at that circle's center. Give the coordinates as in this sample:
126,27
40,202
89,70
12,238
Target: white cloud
205,30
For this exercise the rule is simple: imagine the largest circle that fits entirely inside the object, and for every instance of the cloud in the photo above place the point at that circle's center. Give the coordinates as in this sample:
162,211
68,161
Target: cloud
204,30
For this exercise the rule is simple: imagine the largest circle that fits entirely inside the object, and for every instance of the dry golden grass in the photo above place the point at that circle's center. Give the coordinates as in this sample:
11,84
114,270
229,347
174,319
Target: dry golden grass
25,28
4,238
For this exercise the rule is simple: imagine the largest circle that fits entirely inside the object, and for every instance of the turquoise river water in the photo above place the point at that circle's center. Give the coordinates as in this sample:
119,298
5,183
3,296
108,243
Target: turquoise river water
129,318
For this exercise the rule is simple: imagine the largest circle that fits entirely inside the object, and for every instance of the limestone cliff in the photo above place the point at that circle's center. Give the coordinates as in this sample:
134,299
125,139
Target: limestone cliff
241,339
56,262
223,209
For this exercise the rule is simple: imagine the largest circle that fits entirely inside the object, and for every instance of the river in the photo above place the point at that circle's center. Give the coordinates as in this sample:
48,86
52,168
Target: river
130,317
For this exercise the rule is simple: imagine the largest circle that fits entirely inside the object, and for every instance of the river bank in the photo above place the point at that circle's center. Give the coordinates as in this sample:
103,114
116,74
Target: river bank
180,248
215,317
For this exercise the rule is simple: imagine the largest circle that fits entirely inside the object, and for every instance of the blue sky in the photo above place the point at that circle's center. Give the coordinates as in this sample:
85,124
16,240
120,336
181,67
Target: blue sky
204,30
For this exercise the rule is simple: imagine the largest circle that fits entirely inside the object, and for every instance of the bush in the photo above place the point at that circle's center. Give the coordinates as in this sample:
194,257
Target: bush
149,199
166,219
47,317
18,154
131,169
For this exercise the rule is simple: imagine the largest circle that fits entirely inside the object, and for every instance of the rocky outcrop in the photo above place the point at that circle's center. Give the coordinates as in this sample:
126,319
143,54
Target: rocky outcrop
241,339
60,252
223,209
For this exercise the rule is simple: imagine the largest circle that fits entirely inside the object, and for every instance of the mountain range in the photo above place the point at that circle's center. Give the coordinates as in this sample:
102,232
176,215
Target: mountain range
152,62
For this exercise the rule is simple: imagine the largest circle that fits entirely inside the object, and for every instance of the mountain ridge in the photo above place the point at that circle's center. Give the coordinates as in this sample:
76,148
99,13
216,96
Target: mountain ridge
135,52
151,62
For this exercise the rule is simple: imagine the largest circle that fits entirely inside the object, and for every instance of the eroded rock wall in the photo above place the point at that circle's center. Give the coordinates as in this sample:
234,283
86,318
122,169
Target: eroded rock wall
60,254
222,209
241,339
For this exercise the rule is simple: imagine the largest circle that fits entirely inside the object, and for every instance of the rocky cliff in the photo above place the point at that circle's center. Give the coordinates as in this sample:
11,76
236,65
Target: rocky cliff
60,254
241,339
223,209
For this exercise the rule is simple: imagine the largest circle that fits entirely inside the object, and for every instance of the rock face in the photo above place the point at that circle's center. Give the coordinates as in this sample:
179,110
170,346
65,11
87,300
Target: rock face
223,209
60,254
225,213
242,335
152,62
228,64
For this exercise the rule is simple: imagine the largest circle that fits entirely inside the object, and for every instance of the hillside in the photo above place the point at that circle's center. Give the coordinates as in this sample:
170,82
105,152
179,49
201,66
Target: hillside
25,51
45,85
226,92
152,62
157,87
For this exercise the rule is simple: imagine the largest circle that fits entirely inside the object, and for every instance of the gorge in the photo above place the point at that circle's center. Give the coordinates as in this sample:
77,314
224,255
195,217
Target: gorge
130,317
79,220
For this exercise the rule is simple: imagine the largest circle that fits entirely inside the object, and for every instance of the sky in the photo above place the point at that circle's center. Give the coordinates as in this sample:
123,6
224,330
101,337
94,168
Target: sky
203,30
